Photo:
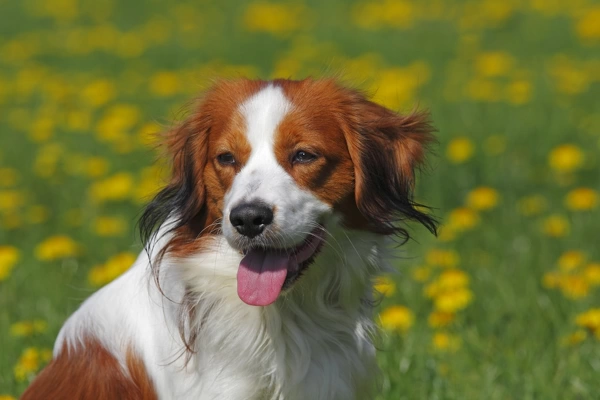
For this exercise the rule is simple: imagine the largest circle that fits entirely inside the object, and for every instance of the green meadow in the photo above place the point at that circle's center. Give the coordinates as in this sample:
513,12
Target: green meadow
503,304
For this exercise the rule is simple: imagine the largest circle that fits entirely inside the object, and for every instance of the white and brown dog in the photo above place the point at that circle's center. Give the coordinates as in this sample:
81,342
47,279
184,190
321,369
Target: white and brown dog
257,277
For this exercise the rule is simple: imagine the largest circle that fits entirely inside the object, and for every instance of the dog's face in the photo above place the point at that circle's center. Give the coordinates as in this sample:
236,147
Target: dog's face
265,163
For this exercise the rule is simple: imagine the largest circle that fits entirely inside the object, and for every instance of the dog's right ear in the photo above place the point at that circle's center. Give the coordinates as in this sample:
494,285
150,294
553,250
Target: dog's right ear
183,198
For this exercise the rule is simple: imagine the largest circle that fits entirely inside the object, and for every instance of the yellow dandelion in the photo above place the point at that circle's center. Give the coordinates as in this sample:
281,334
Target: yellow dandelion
574,338
453,300
556,226
581,199
95,167
98,92
115,266
397,318
378,14
438,319
113,188
148,134
574,287
459,150
164,84
552,280
532,205
570,260
11,200
396,87
7,397
276,19
56,247
446,233
442,258
453,279
385,286
463,219
421,274
589,320
9,256
445,342
493,63
110,226
28,364
483,198
28,328
566,158
591,273
519,92
588,26
117,121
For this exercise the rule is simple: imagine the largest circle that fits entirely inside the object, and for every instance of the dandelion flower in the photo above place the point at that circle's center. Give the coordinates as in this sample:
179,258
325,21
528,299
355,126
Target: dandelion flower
442,258
566,158
56,247
438,319
589,319
588,26
463,219
397,318
385,286
110,226
493,63
9,256
421,274
453,300
164,84
276,19
574,287
581,199
556,226
574,338
116,187
483,198
591,274
115,266
460,150
570,260
445,342
30,361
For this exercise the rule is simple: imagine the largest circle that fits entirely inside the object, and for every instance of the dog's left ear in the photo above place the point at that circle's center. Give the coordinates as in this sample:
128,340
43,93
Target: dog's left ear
386,149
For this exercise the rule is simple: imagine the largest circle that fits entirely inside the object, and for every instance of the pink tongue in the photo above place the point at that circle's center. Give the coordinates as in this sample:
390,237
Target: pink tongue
261,276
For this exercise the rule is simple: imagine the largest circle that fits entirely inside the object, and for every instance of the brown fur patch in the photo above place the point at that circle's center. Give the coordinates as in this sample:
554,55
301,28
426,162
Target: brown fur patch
91,372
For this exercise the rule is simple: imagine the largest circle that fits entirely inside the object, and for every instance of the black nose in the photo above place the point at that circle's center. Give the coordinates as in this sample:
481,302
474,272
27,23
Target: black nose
250,219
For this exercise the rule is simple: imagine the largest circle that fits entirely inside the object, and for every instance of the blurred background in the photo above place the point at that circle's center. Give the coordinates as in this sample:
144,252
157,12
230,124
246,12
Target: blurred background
503,304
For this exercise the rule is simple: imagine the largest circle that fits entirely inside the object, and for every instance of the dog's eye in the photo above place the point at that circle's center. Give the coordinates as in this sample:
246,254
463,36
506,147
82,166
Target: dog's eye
226,159
303,157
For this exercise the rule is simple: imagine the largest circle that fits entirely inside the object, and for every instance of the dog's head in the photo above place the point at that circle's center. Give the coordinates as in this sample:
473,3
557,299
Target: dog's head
266,163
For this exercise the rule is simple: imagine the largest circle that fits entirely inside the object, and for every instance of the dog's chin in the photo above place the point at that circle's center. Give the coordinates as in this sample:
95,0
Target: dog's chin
266,272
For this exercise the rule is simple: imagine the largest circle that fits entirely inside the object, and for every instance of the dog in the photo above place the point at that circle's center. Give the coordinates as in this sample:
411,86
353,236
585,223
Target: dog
256,281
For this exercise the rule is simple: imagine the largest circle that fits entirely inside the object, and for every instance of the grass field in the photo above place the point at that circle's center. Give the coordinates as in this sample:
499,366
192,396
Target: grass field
504,304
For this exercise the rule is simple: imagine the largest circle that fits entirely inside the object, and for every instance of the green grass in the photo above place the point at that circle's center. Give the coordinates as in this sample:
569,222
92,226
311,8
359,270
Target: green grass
510,334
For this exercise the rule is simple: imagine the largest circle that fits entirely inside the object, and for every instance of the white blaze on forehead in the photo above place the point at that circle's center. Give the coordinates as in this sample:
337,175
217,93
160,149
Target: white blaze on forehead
262,179
263,112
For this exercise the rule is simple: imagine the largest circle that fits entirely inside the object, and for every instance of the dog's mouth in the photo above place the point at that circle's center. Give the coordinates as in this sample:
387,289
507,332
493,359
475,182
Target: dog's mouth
264,273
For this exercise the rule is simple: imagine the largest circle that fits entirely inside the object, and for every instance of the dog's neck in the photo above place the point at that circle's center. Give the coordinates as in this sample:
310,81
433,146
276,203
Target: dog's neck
317,336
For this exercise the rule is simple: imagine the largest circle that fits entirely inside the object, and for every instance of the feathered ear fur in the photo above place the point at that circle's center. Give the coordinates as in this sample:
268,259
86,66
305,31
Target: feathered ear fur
183,199
386,149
